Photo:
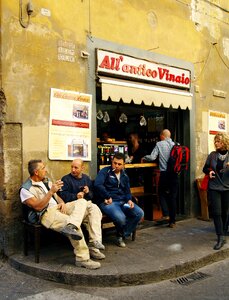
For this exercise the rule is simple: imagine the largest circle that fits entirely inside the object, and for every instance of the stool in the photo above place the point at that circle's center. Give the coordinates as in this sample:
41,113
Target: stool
35,229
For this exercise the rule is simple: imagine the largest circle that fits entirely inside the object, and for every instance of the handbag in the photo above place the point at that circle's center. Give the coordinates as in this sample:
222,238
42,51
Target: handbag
204,183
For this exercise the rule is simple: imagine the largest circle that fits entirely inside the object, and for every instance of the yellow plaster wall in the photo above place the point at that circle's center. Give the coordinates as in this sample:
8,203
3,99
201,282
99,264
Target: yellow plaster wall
184,29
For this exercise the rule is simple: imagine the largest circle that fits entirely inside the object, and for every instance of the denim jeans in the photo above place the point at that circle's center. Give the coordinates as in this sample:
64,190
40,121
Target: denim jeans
125,219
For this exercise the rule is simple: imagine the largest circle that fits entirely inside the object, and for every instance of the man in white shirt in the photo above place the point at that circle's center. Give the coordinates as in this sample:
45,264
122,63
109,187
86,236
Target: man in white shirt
65,218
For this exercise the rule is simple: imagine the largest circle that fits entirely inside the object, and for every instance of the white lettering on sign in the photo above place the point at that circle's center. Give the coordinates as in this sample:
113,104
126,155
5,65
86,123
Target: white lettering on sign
66,44
64,57
139,69
66,51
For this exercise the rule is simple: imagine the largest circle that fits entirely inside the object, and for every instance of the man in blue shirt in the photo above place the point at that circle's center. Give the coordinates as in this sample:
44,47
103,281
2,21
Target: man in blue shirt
168,182
78,185
112,188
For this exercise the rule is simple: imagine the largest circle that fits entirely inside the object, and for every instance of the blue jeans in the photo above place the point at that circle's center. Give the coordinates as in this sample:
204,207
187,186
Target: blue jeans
125,219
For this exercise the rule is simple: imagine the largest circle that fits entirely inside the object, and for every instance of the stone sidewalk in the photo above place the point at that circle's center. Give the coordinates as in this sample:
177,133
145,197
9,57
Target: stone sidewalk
158,253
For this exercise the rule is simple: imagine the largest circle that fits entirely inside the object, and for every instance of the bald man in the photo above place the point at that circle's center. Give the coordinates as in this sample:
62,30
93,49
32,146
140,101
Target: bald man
78,185
168,182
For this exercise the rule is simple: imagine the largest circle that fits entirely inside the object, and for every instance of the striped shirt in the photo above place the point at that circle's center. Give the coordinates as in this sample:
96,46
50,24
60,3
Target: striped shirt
163,149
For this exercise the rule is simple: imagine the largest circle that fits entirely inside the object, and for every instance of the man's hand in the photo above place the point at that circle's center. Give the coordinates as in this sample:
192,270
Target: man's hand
80,195
62,207
131,204
86,189
108,201
56,186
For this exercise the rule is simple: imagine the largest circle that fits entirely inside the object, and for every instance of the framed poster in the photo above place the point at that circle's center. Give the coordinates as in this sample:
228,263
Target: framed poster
69,125
217,122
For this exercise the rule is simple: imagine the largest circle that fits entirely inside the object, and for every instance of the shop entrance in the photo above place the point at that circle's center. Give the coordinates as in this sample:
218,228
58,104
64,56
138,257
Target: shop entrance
116,121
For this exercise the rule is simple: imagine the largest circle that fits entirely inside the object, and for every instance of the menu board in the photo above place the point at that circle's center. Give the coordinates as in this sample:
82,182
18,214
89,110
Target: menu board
69,125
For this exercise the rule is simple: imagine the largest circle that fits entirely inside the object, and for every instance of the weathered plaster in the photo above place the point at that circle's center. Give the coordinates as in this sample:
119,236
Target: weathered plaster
226,46
203,14
164,31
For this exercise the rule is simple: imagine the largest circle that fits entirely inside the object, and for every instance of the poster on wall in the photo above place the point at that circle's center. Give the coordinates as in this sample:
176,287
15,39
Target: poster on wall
69,125
217,122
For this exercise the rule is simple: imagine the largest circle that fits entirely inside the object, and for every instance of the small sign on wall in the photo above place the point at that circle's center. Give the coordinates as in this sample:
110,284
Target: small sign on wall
217,122
66,51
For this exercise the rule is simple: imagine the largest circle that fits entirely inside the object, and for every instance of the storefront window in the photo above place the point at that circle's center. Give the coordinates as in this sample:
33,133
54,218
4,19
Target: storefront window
124,119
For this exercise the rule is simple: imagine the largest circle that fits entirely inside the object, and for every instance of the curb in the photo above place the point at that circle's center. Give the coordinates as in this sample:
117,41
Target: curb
93,279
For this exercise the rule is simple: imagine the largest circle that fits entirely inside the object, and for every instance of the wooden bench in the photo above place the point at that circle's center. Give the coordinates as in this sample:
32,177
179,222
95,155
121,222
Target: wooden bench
35,230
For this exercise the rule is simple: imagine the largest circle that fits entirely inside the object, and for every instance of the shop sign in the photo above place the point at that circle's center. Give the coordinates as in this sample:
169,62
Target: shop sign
119,65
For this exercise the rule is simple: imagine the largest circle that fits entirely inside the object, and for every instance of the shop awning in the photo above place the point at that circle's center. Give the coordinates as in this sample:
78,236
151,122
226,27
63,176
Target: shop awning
128,91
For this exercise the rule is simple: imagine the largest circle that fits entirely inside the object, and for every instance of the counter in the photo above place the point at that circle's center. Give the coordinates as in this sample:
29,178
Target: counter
131,166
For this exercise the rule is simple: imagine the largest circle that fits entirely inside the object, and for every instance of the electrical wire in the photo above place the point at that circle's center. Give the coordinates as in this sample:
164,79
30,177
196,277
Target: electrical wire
220,7
21,21
201,12
207,1
183,3
205,64
206,61
221,57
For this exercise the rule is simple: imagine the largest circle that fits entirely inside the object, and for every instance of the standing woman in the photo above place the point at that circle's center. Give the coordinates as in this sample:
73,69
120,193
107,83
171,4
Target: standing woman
217,166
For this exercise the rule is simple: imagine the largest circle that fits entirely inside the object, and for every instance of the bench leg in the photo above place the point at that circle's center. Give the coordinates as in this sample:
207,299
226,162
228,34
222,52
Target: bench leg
26,237
37,240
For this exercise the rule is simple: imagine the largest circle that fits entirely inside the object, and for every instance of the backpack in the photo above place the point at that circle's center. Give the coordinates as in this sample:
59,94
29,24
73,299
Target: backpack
178,159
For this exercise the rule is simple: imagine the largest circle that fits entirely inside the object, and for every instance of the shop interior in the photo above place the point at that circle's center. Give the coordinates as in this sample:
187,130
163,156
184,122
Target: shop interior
118,120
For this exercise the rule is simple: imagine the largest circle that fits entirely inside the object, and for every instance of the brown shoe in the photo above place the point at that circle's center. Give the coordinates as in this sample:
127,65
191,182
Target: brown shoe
163,219
172,225
95,253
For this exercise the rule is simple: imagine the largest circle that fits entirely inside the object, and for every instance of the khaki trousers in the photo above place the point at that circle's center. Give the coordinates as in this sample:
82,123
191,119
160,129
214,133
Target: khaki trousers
78,212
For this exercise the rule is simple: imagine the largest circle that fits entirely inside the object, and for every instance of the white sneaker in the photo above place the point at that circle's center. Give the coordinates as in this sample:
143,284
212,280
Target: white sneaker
95,253
88,264
120,242
97,245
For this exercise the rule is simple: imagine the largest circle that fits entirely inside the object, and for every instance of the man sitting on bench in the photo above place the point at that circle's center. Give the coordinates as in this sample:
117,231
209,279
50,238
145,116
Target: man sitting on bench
78,185
112,192
64,218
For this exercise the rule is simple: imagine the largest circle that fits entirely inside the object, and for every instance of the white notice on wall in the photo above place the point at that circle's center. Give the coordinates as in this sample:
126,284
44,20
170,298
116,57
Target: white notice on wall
69,125
217,122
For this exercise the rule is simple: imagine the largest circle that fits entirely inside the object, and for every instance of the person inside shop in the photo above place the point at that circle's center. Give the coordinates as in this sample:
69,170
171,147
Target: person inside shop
39,195
135,149
112,193
168,181
217,167
77,185
135,154
105,137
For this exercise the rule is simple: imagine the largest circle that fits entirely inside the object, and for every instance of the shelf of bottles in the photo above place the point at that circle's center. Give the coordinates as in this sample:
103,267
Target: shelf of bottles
105,152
